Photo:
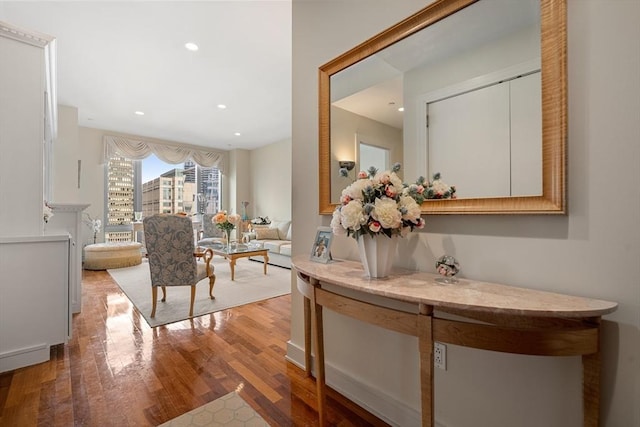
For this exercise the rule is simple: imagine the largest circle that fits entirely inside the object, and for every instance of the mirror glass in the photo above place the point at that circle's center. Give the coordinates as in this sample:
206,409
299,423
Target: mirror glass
460,88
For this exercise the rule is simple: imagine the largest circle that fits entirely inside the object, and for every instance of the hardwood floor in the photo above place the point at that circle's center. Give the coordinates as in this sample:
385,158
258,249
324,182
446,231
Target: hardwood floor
117,371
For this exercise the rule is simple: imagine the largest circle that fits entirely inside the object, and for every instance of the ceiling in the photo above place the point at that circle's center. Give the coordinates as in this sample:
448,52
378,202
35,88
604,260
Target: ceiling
115,58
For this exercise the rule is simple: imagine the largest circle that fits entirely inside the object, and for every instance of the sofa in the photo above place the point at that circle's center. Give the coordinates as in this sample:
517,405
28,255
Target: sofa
276,237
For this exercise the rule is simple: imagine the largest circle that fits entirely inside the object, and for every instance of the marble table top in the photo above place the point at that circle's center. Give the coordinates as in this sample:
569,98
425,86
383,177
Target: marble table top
467,294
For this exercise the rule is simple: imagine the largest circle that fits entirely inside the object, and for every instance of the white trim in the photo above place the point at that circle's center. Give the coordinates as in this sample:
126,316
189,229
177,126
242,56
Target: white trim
374,400
20,358
30,37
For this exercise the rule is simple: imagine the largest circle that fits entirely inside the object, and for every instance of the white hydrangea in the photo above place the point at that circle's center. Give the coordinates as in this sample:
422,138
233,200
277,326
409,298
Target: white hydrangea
352,215
413,209
336,225
386,213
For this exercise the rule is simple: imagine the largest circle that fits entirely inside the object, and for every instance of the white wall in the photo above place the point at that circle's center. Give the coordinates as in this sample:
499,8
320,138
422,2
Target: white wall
344,127
594,251
270,172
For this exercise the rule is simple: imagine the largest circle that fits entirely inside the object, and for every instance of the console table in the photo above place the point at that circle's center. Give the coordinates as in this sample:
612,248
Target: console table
514,320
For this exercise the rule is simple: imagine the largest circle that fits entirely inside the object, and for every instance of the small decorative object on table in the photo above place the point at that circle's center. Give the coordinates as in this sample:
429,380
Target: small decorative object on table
261,220
321,250
376,209
447,266
245,217
226,222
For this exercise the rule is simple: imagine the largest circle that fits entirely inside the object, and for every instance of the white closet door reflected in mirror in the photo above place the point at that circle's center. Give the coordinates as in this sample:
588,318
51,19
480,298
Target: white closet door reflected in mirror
484,141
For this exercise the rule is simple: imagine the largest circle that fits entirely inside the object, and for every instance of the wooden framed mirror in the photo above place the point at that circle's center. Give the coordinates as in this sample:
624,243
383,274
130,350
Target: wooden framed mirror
443,19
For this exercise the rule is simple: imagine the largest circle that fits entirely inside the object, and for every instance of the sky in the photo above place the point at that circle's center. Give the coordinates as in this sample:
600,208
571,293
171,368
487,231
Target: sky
152,167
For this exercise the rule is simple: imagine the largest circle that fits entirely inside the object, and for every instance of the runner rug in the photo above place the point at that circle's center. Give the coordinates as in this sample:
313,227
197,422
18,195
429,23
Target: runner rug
250,285
228,410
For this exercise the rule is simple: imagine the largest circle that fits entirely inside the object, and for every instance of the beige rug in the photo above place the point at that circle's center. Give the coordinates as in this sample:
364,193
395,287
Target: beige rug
228,410
250,285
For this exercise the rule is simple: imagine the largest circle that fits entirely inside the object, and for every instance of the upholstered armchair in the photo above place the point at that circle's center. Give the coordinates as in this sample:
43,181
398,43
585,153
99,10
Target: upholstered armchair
170,249
210,233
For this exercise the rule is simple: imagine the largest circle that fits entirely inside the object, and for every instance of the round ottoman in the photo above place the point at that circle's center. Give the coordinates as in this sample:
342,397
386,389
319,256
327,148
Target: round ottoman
103,256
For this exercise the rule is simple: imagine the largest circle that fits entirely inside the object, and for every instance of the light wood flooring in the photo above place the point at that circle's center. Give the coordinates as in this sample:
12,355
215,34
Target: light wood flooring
117,371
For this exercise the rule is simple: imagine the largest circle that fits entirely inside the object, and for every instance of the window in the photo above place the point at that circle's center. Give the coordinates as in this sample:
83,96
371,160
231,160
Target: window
152,186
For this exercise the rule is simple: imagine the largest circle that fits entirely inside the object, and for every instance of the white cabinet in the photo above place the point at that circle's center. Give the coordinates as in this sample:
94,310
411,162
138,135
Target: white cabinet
34,298
67,217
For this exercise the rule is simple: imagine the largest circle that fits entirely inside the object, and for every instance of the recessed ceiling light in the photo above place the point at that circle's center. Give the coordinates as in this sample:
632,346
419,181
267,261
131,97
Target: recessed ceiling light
140,113
222,106
191,46
401,109
237,134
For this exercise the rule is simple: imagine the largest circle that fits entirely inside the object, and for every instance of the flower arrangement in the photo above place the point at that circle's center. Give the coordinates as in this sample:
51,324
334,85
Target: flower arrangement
380,203
225,222
94,225
437,189
47,212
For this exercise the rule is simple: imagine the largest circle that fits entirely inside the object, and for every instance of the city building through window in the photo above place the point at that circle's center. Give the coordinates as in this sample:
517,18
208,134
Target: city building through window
152,186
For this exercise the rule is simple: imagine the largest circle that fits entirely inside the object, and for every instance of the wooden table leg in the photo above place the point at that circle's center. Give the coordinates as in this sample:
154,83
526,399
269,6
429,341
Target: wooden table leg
266,260
591,385
232,264
425,344
307,336
320,378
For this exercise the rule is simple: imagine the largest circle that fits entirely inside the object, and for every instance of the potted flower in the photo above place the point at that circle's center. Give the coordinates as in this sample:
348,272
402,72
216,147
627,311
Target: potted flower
226,222
378,207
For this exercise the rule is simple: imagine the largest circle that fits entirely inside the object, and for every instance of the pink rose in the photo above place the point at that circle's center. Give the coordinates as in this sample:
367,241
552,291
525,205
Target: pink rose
374,226
390,191
362,175
420,189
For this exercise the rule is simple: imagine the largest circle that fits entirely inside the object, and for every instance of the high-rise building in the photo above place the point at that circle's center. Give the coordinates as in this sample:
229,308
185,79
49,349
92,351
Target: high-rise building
120,193
209,188
166,194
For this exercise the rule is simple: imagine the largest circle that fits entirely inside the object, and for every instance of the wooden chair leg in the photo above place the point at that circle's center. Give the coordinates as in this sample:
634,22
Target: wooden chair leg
154,298
193,297
212,281
164,294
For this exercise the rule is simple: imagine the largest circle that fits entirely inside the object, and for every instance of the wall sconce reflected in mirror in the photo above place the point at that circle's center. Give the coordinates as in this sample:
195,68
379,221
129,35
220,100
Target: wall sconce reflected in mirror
347,164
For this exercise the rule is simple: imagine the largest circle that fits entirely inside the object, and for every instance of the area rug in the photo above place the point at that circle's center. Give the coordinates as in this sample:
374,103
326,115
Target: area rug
250,285
228,410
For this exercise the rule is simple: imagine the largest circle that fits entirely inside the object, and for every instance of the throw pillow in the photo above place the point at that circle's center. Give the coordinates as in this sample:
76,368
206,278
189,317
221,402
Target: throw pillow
282,227
266,233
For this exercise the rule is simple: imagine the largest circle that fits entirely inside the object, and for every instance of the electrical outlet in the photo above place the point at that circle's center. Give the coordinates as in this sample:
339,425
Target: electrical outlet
440,355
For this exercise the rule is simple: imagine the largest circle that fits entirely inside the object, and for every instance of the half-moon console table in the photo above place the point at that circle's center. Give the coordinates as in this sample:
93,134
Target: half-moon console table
513,320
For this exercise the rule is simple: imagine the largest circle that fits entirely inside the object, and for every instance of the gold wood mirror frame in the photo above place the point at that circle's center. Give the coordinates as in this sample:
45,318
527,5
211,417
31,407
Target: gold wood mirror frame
554,112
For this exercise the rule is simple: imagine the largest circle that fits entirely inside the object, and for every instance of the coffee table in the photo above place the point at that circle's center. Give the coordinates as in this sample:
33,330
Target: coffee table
238,251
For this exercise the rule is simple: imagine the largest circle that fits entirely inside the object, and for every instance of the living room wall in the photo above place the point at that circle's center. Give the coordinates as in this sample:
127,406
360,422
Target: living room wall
270,171
86,144
246,172
593,251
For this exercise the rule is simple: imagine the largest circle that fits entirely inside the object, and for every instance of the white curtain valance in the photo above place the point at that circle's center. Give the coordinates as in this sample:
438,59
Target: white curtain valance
139,149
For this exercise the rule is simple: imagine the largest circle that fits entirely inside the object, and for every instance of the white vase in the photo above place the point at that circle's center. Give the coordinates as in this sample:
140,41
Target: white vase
377,254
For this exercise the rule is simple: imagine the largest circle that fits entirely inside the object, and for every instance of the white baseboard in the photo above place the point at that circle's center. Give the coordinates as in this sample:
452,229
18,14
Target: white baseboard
374,400
20,358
